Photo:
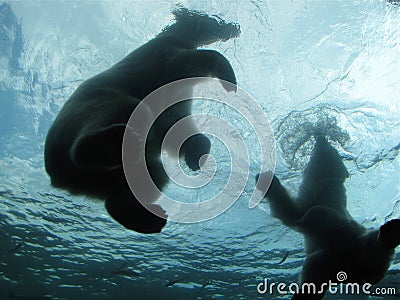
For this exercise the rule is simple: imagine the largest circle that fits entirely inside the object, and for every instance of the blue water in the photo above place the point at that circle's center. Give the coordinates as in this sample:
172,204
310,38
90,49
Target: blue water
331,63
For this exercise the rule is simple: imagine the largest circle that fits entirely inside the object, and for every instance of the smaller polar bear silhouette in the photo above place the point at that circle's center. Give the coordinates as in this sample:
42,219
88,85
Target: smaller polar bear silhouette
83,150
334,241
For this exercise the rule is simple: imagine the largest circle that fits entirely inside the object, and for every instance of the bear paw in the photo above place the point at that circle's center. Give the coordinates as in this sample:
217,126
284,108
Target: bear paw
193,149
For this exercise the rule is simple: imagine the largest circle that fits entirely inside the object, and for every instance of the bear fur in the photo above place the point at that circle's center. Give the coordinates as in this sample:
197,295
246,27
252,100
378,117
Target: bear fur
334,241
83,149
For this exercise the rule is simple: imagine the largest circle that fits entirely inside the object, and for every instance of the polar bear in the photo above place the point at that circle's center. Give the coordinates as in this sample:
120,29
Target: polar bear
83,146
334,241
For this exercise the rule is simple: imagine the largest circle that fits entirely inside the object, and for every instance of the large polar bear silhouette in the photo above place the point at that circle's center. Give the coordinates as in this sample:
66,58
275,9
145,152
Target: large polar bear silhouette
83,146
334,241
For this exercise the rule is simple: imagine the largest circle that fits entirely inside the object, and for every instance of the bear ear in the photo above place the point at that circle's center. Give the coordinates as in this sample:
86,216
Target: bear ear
99,150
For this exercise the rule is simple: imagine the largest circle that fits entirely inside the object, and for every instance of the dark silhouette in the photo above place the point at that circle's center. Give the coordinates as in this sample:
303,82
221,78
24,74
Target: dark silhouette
83,146
334,241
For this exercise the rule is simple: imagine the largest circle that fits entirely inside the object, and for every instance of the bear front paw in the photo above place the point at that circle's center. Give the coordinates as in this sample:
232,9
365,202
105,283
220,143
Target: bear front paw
194,148
263,181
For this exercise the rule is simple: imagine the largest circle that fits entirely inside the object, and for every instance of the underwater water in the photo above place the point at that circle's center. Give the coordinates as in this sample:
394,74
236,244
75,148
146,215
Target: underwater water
334,64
